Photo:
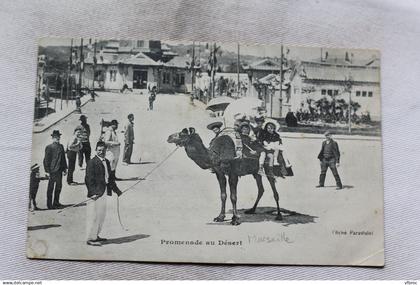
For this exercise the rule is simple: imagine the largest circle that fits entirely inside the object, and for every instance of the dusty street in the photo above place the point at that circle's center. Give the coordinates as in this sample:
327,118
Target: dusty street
178,201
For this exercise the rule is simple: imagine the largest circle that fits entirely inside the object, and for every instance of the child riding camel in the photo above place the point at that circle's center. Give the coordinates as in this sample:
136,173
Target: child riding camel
271,142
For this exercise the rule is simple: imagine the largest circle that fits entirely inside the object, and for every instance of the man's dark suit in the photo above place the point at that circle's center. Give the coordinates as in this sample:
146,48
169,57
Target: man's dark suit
329,162
95,178
54,164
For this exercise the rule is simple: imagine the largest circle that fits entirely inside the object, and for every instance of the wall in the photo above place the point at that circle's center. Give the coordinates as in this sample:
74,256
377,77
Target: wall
172,86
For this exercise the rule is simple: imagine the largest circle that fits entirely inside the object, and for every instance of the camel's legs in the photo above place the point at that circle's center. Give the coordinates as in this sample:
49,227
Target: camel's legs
260,186
222,183
233,183
276,196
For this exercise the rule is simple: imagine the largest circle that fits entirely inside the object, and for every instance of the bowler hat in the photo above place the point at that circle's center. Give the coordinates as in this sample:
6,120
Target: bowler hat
82,117
56,133
35,167
114,122
214,125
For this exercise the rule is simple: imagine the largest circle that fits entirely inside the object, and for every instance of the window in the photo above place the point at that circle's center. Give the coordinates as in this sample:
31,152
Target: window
330,92
99,75
323,92
166,78
112,75
364,94
140,43
370,94
336,92
182,81
358,93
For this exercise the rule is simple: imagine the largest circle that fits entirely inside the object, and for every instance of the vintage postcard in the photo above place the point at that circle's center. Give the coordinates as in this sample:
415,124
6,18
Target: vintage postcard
204,152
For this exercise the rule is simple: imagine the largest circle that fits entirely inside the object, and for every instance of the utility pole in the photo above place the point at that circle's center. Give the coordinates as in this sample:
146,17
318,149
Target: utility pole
47,94
238,70
281,82
192,68
69,72
94,66
80,66
213,69
348,87
349,111
61,95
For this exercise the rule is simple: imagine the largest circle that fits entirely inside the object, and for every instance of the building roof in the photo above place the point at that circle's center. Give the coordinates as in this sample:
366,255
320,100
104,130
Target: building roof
269,78
265,64
165,47
340,73
140,59
109,58
127,49
179,62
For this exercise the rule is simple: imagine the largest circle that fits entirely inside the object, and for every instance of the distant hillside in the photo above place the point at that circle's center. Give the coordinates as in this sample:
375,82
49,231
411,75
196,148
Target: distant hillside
226,57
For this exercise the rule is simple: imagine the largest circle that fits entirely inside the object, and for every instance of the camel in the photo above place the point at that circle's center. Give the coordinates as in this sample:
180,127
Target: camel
220,158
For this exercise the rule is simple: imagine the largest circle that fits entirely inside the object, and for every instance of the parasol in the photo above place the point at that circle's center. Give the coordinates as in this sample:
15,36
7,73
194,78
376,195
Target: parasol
219,103
245,107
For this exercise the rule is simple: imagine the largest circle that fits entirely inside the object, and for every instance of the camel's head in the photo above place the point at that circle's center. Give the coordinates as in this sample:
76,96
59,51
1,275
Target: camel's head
181,138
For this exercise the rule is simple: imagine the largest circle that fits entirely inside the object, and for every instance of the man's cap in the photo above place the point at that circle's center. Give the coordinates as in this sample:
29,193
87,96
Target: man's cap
82,117
327,133
130,115
214,125
56,133
35,167
114,122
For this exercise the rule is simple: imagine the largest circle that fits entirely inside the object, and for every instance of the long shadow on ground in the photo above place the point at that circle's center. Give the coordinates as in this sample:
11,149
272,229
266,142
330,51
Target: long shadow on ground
43,227
265,214
143,162
126,239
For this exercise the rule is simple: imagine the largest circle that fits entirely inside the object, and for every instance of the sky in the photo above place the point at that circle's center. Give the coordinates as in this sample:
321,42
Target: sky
302,53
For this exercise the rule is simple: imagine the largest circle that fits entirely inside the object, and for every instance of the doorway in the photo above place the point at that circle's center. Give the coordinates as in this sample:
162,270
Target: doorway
139,79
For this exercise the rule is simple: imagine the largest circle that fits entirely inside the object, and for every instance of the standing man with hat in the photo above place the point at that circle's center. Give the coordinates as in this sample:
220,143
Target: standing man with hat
128,139
112,147
329,156
98,180
84,139
55,166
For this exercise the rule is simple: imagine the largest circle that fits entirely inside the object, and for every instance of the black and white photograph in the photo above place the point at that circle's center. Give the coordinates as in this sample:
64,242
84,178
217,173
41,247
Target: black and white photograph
206,152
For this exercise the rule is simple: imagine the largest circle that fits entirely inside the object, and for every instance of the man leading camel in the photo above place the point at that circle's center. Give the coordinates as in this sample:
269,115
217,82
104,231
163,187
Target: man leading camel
98,179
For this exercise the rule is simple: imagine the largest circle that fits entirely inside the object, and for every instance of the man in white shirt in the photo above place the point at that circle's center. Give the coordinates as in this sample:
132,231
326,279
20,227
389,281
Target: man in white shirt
112,147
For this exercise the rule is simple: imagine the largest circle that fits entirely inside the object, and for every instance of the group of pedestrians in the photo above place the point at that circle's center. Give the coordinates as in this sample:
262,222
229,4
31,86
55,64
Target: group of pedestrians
60,160
100,176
